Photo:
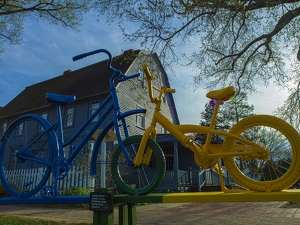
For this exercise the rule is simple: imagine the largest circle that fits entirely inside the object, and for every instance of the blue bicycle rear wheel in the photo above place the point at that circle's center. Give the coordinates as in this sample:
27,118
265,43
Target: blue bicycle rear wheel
26,154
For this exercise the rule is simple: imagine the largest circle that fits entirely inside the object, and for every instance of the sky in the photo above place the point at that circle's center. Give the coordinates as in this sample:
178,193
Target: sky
46,52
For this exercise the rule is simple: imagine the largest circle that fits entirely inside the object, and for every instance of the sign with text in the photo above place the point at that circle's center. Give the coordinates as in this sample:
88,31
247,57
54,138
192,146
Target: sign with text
101,202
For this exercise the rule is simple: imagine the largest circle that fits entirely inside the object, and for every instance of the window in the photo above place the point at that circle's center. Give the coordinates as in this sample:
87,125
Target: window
3,128
141,78
67,151
93,107
163,99
140,119
69,118
163,130
169,162
45,116
19,129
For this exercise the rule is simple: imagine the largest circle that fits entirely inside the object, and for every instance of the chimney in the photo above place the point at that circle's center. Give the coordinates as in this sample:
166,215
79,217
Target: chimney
67,72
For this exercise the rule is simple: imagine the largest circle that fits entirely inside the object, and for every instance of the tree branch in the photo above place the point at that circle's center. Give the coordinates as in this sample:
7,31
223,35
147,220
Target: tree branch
282,22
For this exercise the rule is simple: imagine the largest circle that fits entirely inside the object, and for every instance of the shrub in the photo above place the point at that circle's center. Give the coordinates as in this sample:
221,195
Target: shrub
76,191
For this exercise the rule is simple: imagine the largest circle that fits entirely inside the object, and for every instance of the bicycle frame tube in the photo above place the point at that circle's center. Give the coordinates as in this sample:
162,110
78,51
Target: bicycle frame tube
206,130
109,108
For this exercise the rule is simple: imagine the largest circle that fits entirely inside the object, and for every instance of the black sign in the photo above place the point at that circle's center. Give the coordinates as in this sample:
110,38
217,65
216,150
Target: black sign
101,202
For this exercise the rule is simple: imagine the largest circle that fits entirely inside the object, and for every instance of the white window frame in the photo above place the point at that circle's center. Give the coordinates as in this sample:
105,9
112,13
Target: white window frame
4,127
19,130
142,78
69,116
94,105
164,130
45,116
140,119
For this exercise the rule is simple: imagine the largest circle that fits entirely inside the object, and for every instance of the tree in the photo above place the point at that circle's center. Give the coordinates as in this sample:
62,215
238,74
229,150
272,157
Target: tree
229,114
290,111
67,13
236,42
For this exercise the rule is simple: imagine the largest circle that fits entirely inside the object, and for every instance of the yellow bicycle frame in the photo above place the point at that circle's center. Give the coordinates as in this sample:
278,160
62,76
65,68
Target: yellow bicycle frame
205,152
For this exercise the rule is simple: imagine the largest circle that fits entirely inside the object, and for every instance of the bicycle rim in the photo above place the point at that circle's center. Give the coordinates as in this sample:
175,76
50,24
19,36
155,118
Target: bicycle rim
276,172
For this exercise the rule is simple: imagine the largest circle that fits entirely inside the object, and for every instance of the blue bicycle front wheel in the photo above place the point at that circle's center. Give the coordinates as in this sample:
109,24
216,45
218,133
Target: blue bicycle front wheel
26,154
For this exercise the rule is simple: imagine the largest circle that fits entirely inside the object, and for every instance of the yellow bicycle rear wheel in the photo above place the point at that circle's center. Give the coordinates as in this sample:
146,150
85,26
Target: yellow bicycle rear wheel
278,171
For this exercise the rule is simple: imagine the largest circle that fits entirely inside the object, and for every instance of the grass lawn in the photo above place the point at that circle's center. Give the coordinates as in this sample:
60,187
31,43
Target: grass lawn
16,220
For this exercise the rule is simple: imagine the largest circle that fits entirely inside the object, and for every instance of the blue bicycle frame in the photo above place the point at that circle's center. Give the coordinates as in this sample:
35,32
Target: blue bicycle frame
111,103
56,161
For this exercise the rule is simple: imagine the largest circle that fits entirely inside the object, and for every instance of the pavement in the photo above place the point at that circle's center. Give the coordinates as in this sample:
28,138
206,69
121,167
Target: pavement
225,213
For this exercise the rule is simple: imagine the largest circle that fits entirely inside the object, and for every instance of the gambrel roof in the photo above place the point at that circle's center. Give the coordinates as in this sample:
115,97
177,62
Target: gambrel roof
85,82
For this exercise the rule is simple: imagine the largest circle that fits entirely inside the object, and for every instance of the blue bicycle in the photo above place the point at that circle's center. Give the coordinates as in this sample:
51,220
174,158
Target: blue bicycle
32,148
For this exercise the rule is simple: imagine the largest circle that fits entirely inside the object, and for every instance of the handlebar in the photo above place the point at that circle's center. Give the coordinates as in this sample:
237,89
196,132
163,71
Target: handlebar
149,77
117,72
147,72
81,56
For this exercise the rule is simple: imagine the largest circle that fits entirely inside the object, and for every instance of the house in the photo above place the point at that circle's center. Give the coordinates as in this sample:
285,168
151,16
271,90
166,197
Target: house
90,85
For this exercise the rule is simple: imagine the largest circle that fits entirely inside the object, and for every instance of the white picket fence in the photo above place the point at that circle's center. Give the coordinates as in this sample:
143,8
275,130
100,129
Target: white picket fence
74,179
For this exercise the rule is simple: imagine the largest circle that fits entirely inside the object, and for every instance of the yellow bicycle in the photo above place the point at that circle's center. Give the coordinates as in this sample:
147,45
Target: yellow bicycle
260,152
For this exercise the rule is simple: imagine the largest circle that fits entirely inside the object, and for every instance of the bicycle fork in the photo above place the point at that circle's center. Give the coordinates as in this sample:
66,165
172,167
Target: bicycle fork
141,158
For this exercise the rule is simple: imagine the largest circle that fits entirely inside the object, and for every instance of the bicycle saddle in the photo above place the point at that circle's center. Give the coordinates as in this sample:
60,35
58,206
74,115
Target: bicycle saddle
60,99
221,94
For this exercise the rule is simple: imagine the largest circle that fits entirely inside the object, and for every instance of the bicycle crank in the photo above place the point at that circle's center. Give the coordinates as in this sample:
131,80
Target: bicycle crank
205,163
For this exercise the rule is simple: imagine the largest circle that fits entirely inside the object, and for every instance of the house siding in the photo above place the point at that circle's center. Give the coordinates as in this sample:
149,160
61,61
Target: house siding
131,94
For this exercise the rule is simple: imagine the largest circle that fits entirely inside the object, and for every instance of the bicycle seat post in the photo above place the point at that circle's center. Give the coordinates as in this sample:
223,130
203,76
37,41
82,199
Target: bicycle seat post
59,124
216,104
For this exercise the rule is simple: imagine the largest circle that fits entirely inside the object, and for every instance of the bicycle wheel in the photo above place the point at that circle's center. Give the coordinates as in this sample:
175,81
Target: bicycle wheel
143,179
280,169
26,154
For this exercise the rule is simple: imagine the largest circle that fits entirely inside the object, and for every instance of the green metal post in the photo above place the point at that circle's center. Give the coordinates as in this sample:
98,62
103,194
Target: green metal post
127,214
132,214
123,214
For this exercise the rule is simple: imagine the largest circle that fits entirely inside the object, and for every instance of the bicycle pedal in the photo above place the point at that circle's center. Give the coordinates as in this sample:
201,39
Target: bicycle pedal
48,192
217,169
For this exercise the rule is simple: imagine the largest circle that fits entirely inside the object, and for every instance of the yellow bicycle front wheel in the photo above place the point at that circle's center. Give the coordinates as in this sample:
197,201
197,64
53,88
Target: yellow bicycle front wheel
278,171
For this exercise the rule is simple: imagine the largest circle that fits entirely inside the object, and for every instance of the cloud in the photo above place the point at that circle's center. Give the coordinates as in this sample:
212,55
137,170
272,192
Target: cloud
267,99
189,102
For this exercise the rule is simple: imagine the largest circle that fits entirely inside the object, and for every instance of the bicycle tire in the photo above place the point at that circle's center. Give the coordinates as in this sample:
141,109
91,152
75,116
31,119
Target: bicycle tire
278,171
143,179
23,177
